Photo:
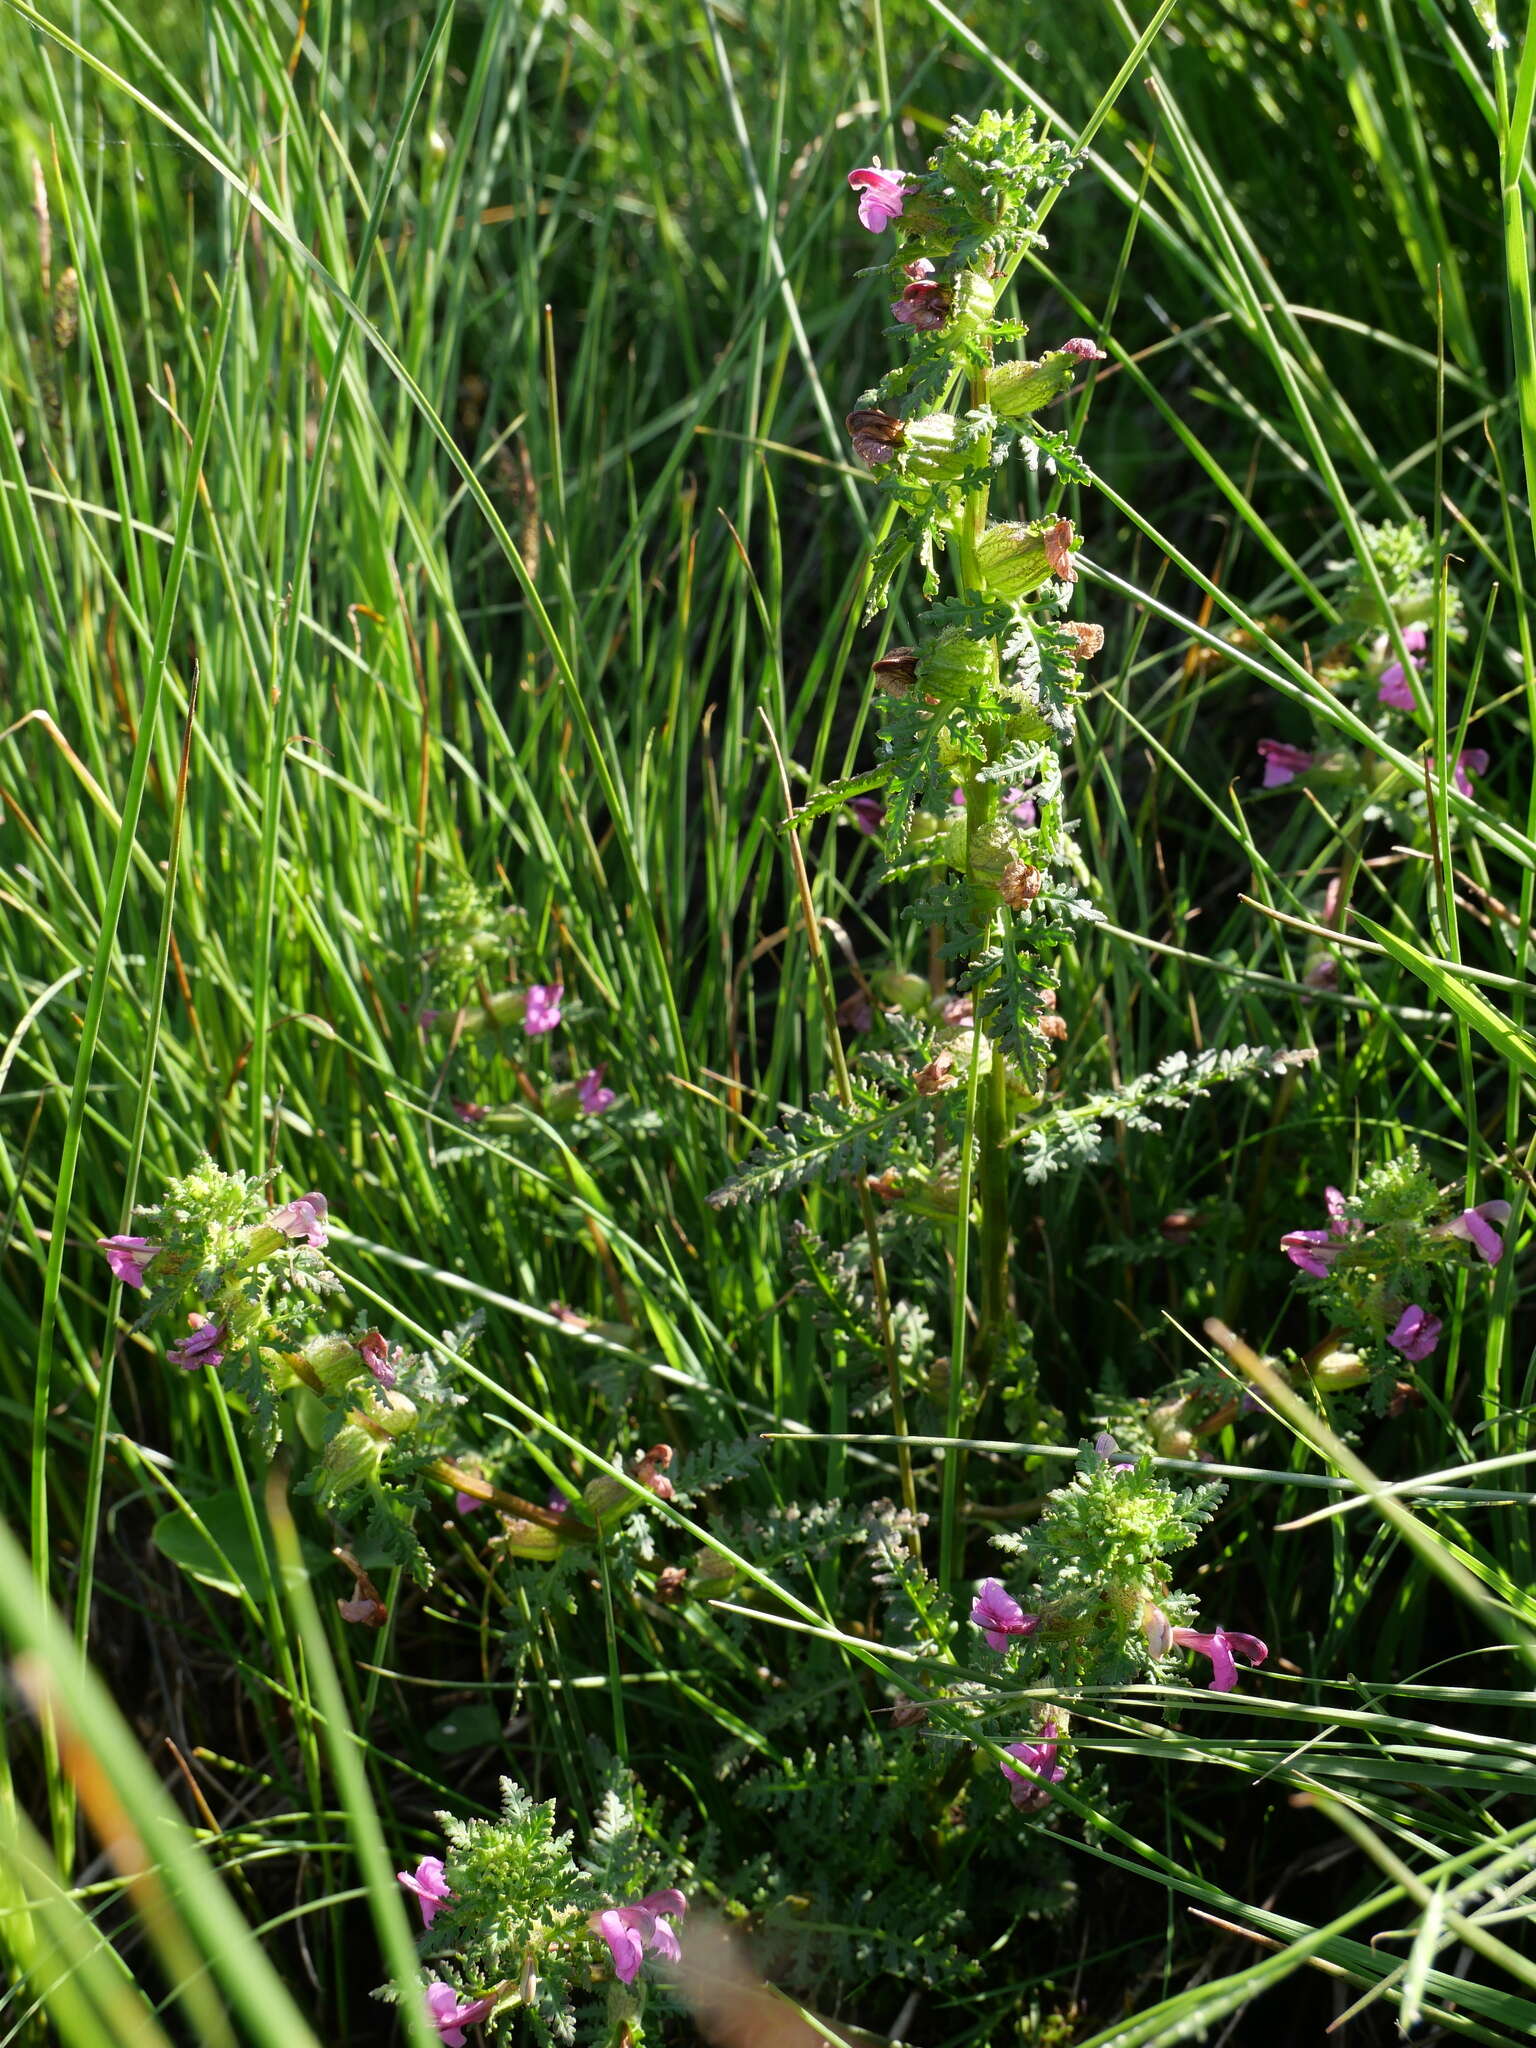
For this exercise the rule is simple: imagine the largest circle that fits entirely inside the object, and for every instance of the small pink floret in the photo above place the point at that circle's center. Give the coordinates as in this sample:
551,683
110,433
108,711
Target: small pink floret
592,1095
1283,763
542,1011
128,1257
1416,1333
428,1883
1219,1646
304,1217
881,196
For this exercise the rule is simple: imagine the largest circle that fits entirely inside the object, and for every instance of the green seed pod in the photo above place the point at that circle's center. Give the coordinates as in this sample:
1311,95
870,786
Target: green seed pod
931,449
605,1497
1015,560
394,1413
335,1361
908,993
973,301
530,1539
352,1460
1015,390
953,664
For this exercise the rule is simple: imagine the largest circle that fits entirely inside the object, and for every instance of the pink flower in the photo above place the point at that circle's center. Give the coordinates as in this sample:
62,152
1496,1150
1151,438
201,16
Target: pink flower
1476,1227
1471,761
1313,1250
633,1932
1218,1646
868,814
470,1112
466,1503
1021,808
303,1217
1394,687
1283,763
1030,1787
201,1348
592,1095
542,1012
999,1615
1079,345
449,2017
1416,1332
881,198
128,1256
427,1882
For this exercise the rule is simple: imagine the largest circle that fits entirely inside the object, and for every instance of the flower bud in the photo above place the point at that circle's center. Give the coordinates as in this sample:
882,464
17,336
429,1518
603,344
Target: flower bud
876,435
1016,559
909,993
1169,1430
1015,390
1158,1630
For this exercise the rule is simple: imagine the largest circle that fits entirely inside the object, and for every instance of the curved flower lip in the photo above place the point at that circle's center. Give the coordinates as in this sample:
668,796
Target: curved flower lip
1476,1227
1416,1332
999,1616
1219,1646
882,195
633,1932
128,1257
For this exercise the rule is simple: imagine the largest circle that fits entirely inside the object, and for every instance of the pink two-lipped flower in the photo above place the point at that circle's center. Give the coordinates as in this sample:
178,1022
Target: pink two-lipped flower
882,196
541,1010
205,1346
1394,687
1219,1646
1416,1333
592,1096
304,1216
1282,763
450,2017
645,1928
1476,1227
128,1257
999,1616
429,1884
1031,1787
1315,1250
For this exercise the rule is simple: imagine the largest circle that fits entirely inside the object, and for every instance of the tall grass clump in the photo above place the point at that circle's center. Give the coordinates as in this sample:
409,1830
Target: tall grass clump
765,1182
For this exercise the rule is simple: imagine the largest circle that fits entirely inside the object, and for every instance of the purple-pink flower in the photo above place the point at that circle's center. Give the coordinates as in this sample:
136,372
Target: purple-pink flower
1283,763
202,1347
375,1355
1469,762
1219,1646
1030,1787
868,814
999,1615
633,1932
1476,1227
1021,807
881,196
1416,1332
1315,1250
466,1503
449,2017
592,1095
542,1011
128,1257
428,1883
303,1217
1394,687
